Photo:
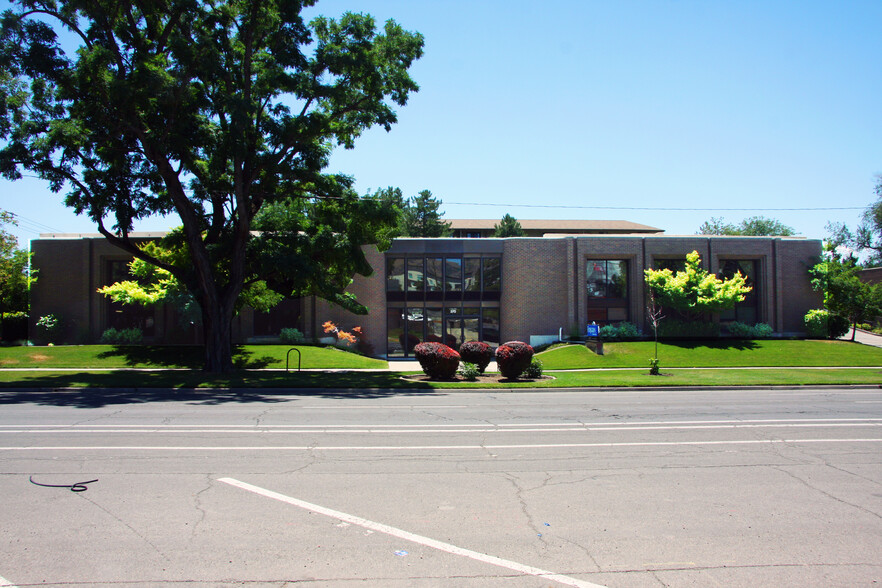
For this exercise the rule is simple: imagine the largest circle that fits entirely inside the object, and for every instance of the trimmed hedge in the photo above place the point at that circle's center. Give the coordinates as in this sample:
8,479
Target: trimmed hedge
437,360
513,358
132,336
476,352
821,324
745,331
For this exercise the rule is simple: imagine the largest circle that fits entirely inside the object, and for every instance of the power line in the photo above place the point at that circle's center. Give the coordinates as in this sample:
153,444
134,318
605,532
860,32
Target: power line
30,225
661,209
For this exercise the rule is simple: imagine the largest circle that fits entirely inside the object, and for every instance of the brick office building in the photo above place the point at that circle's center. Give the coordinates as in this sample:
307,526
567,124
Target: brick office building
458,289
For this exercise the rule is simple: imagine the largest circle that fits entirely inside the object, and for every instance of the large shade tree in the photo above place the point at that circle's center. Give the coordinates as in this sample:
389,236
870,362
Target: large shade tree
210,111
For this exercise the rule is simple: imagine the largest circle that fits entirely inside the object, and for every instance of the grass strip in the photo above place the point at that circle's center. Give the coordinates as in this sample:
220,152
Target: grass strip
715,353
393,381
180,356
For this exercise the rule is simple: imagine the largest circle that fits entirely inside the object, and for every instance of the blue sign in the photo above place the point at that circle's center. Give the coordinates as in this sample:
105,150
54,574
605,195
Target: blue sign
593,331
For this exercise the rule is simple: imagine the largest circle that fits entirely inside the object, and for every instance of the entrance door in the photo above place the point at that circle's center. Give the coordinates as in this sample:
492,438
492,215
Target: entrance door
458,330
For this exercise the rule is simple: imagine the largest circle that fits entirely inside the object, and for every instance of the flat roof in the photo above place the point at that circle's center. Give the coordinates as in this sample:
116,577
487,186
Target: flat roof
557,225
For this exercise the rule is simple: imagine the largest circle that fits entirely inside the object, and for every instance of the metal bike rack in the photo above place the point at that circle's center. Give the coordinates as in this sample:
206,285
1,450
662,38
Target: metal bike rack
288,357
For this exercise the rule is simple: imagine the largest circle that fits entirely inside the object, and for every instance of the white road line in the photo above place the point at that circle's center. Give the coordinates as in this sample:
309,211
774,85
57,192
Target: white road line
4,583
430,447
412,537
430,429
481,427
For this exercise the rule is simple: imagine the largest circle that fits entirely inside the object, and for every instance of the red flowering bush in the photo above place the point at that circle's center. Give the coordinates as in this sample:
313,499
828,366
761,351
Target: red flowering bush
513,358
476,352
437,360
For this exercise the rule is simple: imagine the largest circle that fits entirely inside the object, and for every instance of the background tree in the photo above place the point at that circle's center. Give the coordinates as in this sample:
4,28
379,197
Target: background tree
845,294
868,236
420,217
755,226
508,227
15,278
694,291
205,110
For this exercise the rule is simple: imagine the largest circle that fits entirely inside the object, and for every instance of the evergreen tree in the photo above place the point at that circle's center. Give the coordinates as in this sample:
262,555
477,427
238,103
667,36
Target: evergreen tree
508,227
420,217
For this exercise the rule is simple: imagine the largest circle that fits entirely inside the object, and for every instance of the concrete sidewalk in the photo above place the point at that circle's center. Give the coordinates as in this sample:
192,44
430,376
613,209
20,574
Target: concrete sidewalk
864,337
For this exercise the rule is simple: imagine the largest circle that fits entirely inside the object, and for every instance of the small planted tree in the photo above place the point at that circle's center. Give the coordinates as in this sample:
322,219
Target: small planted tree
655,315
513,358
476,352
438,361
695,292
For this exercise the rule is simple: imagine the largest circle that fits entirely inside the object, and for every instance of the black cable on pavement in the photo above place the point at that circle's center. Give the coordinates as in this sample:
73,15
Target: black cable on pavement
78,487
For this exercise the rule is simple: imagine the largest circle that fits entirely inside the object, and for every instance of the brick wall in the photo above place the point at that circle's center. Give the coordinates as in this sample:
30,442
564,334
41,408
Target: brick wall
536,292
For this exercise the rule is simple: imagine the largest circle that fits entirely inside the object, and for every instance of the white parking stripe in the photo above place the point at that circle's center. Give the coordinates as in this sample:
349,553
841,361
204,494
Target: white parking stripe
408,536
4,583
427,447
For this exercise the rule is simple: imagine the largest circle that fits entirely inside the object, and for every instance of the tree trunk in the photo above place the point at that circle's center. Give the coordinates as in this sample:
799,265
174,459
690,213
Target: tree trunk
217,332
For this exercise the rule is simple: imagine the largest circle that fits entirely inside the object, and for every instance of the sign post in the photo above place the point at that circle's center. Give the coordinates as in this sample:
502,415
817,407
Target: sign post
592,338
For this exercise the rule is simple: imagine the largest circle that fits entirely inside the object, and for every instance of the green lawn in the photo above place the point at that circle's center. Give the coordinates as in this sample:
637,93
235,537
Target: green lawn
104,366
774,353
179,356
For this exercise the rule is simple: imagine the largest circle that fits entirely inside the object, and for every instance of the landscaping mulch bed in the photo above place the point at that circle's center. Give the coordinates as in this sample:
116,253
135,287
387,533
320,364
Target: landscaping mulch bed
487,379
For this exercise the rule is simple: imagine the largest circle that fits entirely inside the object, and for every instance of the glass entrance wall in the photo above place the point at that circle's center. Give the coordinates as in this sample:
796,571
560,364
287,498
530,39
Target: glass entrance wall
447,299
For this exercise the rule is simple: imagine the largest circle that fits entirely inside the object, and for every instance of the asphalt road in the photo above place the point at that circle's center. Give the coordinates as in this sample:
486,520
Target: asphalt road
616,489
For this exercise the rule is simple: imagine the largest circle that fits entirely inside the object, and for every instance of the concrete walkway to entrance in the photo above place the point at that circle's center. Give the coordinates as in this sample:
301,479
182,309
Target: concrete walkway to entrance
865,337
412,365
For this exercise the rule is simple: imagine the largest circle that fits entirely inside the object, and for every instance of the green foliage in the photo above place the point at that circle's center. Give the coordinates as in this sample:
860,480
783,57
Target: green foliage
48,329
14,326
420,217
508,227
534,370
209,111
745,331
132,336
676,329
753,226
619,332
653,367
694,291
868,235
845,294
821,324
469,371
291,336
15,276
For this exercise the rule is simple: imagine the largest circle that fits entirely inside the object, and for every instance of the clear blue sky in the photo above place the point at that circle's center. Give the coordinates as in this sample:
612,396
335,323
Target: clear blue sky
674,104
